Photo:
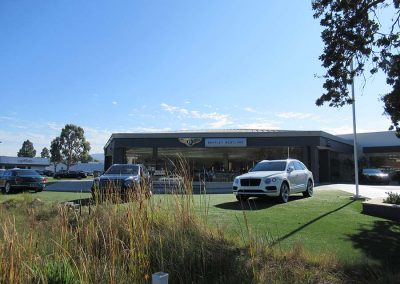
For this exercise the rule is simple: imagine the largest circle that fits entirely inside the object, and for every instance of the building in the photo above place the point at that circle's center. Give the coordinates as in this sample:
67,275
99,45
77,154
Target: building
86,167
23,163
378,149
220,155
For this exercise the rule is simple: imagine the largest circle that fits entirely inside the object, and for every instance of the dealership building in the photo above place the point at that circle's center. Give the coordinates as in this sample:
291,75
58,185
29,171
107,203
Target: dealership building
222,154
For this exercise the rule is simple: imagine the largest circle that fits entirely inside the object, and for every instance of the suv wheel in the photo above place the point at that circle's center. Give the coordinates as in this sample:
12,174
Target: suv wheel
310,189
284,193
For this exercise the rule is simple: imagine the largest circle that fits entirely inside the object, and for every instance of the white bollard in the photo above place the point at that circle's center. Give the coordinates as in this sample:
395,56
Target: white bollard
159,278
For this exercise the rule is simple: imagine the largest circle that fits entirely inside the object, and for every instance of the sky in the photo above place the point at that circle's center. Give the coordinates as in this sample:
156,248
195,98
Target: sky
153,65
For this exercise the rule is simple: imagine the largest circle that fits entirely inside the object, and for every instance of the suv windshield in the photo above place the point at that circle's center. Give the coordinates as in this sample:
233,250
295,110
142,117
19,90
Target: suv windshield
123,170
270,166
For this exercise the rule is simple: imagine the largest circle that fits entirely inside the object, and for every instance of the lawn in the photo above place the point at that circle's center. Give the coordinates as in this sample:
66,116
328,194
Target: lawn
329,223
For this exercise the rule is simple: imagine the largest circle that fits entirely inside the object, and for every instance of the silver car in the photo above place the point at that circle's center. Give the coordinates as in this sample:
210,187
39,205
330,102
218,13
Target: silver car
276,178
122,179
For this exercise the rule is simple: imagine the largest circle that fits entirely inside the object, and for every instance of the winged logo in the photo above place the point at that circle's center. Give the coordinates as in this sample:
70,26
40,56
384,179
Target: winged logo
190,141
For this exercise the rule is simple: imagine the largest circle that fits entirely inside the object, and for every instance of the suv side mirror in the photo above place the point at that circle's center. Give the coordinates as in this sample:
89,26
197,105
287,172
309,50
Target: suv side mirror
290,169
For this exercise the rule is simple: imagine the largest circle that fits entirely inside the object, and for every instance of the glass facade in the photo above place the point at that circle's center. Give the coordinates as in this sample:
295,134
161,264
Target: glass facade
212,164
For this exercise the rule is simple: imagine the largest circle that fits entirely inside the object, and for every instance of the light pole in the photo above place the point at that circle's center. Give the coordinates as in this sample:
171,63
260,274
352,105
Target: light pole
357,195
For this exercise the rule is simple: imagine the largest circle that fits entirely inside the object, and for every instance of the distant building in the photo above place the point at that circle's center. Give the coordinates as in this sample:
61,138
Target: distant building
86,167
23,163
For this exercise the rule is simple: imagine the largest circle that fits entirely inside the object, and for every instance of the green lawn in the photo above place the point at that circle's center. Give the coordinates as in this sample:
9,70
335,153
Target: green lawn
328,223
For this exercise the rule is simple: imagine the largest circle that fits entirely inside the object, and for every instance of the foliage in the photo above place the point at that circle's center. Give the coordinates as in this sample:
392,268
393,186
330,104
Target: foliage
45,153
353,32
393,198
74,147
27,150
55,151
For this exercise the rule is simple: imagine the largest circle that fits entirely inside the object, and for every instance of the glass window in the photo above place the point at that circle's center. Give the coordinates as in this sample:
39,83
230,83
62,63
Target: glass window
123,170
26,173
298,166
270,166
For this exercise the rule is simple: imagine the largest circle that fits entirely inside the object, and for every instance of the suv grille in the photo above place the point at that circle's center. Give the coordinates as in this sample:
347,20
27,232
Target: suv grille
250,182
111,184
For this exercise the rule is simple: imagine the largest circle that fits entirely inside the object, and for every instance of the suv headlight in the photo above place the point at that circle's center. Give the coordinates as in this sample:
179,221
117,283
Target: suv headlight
269,180
236,181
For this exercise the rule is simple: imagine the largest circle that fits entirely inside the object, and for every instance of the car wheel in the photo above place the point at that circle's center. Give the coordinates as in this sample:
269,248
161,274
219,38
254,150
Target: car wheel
7,188
310,189
242,198
284,193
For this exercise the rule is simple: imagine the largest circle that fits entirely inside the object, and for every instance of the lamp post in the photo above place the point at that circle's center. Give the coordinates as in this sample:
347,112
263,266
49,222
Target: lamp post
357,195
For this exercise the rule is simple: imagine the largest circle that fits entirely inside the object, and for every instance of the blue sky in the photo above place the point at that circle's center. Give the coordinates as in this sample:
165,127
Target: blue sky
136,66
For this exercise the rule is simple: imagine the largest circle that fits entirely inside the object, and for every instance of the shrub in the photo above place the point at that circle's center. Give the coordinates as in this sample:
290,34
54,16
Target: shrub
393,198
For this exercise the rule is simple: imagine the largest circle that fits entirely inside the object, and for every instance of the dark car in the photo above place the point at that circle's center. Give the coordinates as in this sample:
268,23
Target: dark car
21,179
122,179
48,173
70,174
374,176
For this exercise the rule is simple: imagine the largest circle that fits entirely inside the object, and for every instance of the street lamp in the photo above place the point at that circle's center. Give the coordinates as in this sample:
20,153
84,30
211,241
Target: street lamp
357,195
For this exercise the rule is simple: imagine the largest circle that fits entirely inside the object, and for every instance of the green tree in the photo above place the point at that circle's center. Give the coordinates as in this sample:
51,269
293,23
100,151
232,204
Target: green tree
45,153
27,150
353,33
55,152
74,146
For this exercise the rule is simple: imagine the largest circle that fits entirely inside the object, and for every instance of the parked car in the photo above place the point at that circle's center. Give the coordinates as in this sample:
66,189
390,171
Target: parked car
21,179
48,173
70,174
122,179
278,178
2,172
374,176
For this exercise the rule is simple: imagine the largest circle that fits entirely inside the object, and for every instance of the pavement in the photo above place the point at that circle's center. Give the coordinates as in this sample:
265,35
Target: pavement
369,191
70,186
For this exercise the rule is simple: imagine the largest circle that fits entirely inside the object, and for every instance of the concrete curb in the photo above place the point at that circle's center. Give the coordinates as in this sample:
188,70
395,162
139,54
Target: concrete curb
376,207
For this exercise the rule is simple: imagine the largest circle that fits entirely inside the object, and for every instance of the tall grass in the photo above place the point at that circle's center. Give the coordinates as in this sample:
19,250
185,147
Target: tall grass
125,241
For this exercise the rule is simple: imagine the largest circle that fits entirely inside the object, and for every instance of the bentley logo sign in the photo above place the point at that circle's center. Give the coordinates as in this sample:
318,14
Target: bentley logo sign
190,141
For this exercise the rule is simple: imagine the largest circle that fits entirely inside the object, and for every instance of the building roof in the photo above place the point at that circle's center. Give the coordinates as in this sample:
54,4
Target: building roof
374,139
225,133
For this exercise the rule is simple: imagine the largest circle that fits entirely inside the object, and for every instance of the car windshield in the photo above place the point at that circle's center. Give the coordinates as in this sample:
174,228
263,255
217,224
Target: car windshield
27,173
270,166
123,170
372,171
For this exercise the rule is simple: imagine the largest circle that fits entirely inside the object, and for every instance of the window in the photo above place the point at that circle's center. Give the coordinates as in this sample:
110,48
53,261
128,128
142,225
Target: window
298,166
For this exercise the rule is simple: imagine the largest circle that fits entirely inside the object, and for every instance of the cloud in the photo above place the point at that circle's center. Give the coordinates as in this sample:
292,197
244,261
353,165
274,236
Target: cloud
249,109
114,103
218,120
297,115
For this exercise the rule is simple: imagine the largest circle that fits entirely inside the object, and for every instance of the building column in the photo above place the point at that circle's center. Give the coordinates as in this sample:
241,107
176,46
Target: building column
315,163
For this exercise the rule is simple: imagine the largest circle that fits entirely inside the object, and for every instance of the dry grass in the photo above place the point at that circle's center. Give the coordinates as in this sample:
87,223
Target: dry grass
116,242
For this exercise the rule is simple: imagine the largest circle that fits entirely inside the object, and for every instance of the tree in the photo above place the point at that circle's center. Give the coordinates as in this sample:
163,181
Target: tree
353,33
74,146
55,152
27,150
45,153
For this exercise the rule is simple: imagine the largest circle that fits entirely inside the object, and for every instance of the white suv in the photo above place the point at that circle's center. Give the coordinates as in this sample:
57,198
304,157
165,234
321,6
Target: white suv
274,178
